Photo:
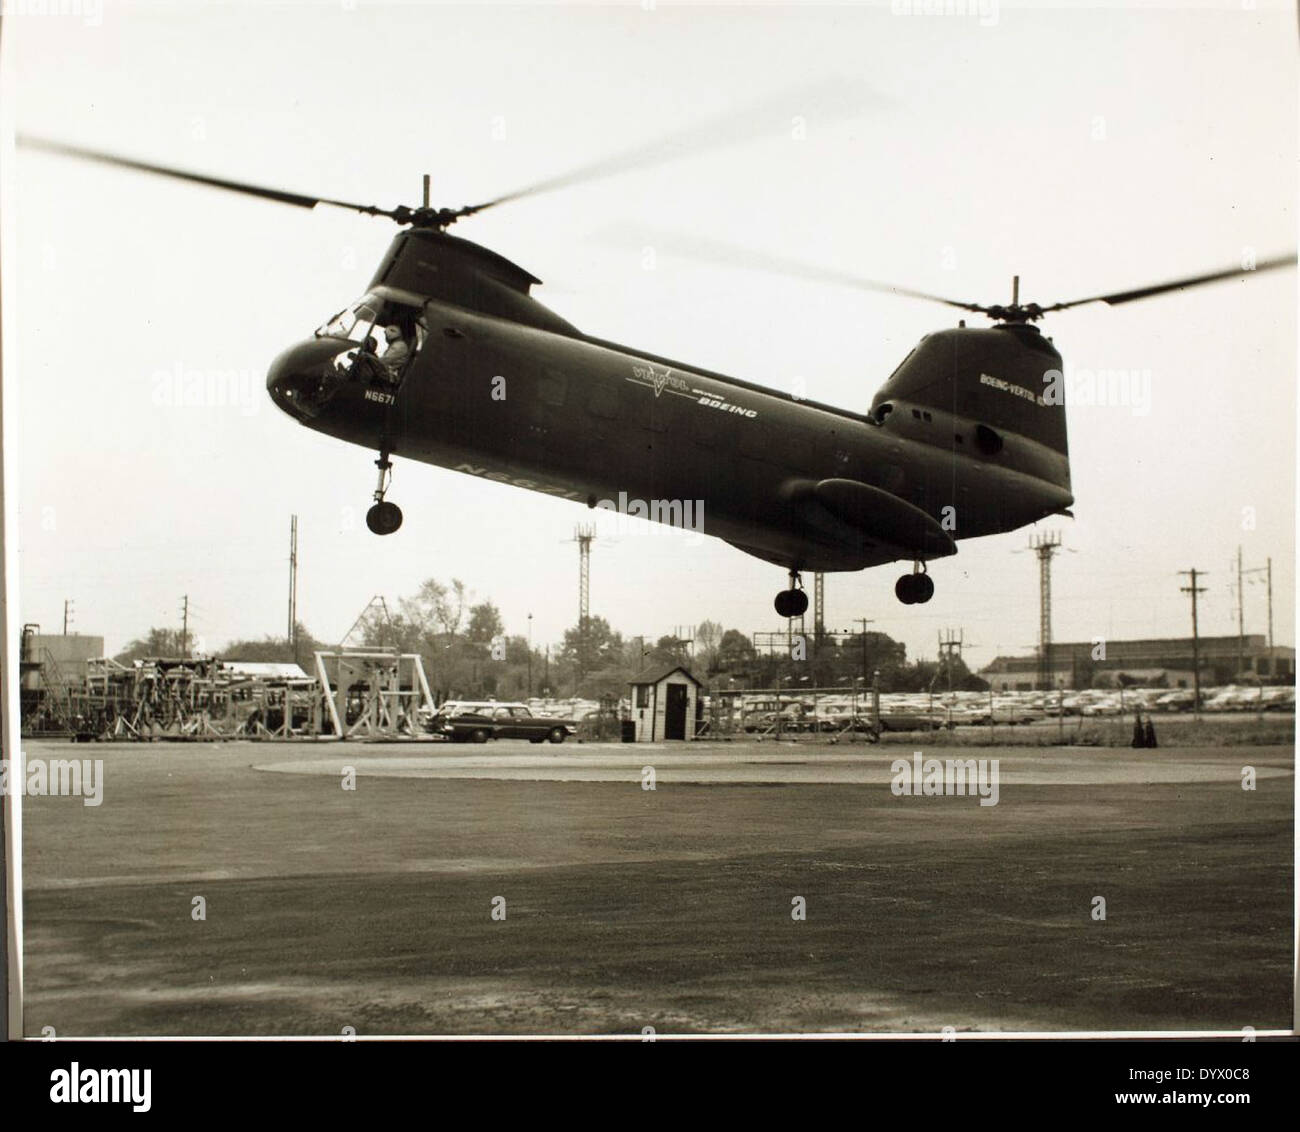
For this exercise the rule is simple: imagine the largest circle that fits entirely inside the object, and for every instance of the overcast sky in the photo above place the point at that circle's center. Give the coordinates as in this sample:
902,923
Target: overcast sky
1085,149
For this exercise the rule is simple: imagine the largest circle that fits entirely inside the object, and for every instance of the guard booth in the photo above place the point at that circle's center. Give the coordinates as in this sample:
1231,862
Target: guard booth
664,704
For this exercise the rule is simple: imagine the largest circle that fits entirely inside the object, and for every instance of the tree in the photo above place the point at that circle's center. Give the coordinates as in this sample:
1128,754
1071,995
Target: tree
436,608
157,642
485,624
708,635
301,651
598,647
668,650
735,651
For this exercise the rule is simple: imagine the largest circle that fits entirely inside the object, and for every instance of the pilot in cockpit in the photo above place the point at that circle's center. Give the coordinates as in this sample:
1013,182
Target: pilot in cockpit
397,352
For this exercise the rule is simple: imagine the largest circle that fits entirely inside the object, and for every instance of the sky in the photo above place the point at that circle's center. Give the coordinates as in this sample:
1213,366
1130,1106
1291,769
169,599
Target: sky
1083,148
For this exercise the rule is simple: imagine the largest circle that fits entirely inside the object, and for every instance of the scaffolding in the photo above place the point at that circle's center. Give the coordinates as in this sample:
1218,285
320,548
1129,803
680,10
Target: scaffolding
197,698
377,694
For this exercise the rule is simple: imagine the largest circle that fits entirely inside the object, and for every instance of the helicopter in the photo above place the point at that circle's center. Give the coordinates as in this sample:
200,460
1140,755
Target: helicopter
448,359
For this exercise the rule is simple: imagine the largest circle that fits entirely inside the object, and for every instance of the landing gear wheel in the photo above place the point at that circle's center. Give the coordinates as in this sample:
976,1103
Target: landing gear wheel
791,603
384,518
914,589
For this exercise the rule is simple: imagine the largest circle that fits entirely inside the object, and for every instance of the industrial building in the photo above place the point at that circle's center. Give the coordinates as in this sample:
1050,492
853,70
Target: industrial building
1152,663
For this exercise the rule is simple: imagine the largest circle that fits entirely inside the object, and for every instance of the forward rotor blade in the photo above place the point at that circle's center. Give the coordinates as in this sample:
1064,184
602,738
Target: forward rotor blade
823,103
1118,297
728,255
296,199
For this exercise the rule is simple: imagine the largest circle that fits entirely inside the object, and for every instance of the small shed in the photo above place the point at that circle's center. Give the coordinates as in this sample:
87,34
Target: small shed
664,703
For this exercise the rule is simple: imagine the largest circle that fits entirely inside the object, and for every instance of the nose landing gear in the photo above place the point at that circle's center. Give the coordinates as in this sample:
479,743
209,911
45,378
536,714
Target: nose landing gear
792,602
383,518
915,588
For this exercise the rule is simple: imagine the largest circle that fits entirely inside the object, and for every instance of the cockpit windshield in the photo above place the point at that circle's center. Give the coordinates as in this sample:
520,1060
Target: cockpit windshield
356,322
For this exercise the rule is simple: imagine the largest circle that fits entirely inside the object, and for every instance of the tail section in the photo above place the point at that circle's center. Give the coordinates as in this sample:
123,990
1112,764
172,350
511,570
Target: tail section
995,383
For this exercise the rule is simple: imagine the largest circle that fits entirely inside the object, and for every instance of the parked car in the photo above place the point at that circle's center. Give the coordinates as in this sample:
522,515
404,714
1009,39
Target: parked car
478,721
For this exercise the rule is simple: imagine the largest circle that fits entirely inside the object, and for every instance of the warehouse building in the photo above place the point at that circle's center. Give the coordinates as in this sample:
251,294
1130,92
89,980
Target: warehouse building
1152,663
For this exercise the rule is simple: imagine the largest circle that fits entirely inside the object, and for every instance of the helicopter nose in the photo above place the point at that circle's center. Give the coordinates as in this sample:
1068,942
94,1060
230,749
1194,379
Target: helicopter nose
301,379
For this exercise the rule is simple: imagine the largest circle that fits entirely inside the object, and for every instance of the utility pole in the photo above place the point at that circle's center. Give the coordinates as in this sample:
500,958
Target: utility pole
1241,619
864,622
530,656
185,625
1045,545
1270,616
819,607
1194,589
67,614
292,634
1267,571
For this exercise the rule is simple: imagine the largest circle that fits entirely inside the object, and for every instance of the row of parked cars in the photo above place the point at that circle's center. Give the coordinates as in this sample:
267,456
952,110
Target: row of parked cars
922,711
539,721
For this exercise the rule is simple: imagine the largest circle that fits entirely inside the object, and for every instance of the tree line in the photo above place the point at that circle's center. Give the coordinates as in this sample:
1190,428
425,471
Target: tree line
467,653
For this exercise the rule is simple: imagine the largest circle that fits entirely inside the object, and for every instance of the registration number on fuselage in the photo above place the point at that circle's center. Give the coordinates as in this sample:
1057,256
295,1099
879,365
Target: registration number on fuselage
381,397
531,485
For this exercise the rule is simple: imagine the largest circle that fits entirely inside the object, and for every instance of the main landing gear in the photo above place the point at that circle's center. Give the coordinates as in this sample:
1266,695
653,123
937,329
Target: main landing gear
383,518
792,602
915,588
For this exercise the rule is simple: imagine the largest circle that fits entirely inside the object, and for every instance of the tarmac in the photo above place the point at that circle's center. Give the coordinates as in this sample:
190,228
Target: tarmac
325,889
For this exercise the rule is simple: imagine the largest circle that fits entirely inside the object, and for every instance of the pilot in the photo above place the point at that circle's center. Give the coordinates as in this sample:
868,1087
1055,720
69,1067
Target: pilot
365,366
397,353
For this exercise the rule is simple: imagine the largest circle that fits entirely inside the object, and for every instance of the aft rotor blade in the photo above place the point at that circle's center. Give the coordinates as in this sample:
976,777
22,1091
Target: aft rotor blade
823,103
728,255
296,199
1117,297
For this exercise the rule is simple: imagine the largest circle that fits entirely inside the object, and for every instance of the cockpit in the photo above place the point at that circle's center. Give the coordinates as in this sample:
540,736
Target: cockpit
370,346
388,333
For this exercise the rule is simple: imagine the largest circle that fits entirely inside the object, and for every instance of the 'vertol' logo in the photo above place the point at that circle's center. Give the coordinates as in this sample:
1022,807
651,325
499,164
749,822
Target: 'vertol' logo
659,379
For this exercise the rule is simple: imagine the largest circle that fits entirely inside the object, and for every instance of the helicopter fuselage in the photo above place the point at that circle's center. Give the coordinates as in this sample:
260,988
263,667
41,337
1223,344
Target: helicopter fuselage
503,389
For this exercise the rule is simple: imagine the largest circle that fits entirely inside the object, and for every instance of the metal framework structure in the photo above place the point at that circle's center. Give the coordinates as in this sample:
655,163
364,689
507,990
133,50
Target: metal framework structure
583,536
171,698
373,693
1045,545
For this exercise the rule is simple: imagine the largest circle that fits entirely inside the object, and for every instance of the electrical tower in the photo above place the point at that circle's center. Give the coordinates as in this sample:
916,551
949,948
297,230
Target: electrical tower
292,634
1194,589
819,606
185,625
583,536
1045,545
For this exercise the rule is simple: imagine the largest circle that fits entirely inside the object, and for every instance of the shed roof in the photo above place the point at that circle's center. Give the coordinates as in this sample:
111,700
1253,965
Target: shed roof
655,674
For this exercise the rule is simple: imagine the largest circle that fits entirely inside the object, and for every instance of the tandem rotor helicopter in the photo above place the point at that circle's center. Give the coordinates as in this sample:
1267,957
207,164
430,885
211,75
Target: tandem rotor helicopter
448,359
